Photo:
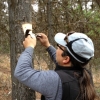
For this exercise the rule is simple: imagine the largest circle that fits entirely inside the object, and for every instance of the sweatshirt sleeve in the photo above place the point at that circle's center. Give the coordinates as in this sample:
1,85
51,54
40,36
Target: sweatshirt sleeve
39,81
52,52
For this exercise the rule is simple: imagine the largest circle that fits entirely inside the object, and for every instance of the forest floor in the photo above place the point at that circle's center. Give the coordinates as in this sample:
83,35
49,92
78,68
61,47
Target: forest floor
5,78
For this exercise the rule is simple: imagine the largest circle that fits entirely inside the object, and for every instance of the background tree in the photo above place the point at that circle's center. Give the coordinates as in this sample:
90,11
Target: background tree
4,36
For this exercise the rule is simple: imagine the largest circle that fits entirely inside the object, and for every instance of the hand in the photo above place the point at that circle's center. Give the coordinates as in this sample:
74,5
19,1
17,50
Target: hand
43,39
29,42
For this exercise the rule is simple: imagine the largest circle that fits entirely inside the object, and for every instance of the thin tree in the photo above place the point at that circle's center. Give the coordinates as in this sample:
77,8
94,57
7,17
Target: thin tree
19,12
50,27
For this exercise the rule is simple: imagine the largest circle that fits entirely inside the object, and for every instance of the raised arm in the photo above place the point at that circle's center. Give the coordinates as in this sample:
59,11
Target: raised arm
45,42
37,80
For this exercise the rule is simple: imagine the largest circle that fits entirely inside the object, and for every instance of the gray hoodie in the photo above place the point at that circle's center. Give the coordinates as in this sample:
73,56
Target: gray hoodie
47,83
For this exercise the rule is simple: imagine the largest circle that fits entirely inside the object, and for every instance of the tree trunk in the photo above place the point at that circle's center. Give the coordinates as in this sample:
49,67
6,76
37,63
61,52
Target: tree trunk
50,21
19,11
50,28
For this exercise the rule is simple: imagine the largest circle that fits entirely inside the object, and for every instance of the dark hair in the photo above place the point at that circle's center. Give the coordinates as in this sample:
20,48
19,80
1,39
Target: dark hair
87,91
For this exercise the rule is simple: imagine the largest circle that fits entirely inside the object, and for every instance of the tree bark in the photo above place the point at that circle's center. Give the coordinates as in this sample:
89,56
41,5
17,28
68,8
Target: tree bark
19,12
50,21
50,28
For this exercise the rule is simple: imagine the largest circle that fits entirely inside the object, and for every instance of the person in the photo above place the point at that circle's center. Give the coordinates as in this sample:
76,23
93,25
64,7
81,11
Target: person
70,80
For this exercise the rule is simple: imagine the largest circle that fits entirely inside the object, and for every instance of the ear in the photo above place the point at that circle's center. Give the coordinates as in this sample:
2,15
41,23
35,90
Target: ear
66,60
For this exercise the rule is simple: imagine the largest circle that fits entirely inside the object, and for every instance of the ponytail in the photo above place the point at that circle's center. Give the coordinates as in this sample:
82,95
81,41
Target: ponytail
87,91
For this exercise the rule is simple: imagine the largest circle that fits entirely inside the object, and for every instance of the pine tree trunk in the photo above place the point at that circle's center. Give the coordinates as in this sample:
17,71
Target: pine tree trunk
50,28
19,12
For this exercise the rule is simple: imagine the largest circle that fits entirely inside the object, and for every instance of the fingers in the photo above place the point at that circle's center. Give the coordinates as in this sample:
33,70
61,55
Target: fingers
28,36
29,42
38,35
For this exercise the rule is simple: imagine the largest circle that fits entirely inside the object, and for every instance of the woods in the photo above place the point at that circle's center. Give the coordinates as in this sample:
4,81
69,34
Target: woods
50,17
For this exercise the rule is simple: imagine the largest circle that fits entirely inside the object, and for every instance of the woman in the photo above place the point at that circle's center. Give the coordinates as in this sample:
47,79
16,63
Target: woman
70,80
